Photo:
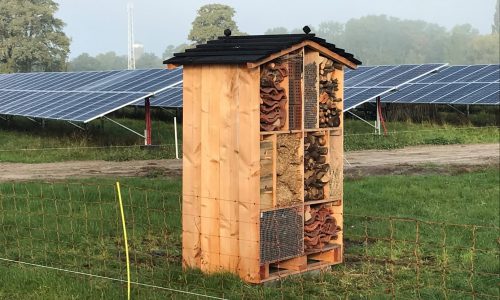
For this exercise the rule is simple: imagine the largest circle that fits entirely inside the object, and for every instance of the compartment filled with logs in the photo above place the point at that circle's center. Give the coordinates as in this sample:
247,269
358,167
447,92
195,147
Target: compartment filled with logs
329,113
273,96
320,227
317,171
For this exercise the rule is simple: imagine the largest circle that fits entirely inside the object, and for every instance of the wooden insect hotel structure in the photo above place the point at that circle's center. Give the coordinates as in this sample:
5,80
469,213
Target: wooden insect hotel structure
263,154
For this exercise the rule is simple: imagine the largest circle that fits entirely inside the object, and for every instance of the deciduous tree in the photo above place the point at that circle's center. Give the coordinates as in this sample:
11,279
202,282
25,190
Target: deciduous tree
149,61
277,30
171,49
211,21
84,62
31,37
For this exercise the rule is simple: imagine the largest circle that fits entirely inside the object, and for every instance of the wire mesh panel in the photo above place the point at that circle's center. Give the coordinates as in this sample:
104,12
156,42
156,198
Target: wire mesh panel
310,96
281,235
295,90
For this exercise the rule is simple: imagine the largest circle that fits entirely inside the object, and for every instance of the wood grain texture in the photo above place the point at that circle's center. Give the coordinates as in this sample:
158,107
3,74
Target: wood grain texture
191,208
228,176
209,193
337,163
249,174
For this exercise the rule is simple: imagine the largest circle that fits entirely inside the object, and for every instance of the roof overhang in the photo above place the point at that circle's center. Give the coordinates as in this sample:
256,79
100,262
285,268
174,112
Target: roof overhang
310,44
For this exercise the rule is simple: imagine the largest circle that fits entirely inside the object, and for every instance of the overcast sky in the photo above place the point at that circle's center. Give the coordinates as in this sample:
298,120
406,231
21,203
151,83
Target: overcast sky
97,26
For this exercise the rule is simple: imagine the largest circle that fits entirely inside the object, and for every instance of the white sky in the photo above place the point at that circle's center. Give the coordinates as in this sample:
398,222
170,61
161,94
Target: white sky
97,26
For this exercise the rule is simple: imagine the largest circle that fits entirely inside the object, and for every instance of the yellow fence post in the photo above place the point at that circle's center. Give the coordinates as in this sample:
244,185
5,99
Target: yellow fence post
124,237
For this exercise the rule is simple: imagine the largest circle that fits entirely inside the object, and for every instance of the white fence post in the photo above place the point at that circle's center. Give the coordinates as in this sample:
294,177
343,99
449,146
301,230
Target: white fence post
176,141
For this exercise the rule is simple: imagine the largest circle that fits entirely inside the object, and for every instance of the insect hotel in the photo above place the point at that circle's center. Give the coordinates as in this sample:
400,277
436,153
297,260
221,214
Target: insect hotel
263,154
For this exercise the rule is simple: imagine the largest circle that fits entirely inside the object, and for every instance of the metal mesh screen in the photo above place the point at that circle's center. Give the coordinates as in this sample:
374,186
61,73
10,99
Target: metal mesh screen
281,235
310,96
295,92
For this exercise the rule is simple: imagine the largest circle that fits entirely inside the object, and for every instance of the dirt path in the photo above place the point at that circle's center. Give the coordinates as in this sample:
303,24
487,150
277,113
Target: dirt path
446,159
411,160
85,169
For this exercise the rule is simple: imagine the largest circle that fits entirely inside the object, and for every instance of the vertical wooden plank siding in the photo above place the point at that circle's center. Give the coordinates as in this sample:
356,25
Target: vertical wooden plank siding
228,169
191,168
234,246
249,173
337,143
210,157
337,160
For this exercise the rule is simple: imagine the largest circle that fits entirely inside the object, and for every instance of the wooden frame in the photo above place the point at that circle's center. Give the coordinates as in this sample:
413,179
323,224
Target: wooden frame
229,170
331,55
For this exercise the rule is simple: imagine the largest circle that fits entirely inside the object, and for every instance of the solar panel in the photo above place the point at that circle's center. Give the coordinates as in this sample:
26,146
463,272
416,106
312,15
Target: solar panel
83,96
170,98
367,83
474,84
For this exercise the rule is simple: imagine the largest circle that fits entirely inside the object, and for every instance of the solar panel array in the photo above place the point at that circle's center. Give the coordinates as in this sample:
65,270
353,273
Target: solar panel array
81,96
85,96
170,98
473,84
367,83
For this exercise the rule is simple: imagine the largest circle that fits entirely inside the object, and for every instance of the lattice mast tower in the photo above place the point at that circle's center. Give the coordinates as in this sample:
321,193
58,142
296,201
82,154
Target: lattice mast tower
131,50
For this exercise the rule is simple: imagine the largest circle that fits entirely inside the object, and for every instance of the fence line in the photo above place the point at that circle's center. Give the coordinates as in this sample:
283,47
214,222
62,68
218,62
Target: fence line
76,229
420,130
117,147
85,148
108,278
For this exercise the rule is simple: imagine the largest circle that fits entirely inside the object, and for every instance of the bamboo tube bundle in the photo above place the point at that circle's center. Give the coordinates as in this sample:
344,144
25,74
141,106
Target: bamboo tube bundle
316,171
273,97
329,114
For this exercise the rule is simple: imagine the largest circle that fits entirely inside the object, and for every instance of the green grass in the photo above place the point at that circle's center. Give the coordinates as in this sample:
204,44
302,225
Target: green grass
61,141
402,134
75,225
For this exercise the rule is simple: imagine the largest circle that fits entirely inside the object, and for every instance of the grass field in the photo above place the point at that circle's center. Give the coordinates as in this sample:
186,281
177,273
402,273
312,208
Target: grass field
403,134
60,141
75,225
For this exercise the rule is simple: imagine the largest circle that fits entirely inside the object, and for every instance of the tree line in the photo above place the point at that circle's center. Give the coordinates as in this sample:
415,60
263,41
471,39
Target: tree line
210,22
32,39
387,40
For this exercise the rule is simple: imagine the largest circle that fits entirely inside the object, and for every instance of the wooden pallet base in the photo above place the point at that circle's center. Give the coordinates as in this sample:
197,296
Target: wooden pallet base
301,264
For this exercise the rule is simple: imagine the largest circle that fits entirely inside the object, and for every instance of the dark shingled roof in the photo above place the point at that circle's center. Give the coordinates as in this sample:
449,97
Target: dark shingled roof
250,48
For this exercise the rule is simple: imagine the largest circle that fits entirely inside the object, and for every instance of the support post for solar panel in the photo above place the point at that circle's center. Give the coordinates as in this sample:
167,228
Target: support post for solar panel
77,126
458,110
176,139
124,127
379,117
468,110
34,120
361,118
147,133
